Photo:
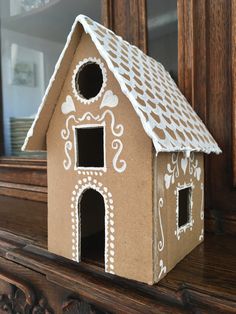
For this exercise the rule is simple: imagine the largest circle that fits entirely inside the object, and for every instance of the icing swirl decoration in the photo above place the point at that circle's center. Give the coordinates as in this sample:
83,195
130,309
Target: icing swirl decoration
117,130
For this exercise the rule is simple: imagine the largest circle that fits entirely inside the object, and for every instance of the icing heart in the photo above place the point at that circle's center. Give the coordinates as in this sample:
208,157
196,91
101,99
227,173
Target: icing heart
184,163
109,100
68,106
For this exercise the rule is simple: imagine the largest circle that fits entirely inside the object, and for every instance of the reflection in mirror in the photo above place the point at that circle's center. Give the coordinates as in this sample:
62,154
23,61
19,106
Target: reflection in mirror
33,33
163,33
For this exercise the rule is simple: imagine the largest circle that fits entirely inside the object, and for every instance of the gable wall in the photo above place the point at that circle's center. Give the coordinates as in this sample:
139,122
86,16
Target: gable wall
129,192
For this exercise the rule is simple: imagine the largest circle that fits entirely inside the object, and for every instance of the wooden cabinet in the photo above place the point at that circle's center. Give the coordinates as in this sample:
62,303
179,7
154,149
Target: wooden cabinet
36,281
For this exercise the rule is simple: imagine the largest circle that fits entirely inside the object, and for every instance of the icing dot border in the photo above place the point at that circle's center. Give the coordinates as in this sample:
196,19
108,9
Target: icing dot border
109,251
77,69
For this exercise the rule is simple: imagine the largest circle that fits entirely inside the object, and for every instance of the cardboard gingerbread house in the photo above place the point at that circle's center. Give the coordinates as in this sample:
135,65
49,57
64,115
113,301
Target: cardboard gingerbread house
125,157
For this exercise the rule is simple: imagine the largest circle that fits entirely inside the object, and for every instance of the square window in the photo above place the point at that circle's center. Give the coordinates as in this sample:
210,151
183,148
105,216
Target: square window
184,206
90,147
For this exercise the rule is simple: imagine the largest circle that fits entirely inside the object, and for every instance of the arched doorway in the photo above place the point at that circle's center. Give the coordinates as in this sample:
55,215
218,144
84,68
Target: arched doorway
92,218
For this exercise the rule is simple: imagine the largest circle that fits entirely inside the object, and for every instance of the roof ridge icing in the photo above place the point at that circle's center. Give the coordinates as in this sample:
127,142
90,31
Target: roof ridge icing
166,116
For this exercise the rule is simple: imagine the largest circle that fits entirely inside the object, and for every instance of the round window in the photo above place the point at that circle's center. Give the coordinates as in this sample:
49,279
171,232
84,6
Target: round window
89,80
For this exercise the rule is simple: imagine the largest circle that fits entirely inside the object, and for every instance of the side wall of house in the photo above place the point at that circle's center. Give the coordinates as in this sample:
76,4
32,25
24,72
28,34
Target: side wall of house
125,182
173,172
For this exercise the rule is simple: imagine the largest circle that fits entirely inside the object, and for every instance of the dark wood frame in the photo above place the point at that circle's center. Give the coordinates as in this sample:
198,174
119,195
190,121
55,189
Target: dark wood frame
1,102
233,69
206,76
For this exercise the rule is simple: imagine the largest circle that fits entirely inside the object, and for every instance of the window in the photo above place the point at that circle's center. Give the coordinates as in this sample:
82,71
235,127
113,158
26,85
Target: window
163,33
32,38
184,205
90,147
89,80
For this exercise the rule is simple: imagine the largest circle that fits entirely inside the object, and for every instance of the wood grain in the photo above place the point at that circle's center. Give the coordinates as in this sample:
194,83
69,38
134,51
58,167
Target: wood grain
1,103
206,74
24,191
205,78
204,282
127,19
233,69
24,218
201,283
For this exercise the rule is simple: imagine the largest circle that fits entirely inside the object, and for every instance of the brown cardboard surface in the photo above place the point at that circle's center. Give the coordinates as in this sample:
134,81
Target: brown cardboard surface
131,190
178,170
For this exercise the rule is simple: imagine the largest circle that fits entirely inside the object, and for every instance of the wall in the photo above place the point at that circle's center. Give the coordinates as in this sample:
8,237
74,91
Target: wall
175,171
128,194
19,100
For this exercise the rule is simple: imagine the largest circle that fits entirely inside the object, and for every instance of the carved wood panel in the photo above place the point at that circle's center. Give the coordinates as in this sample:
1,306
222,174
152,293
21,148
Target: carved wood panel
16,296
75,305
26,291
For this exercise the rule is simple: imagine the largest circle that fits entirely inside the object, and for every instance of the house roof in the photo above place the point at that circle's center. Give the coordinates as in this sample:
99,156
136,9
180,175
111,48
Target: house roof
165,114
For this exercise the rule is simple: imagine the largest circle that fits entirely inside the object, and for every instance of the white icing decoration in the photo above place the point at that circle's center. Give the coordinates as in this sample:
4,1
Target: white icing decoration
189,163
76,167
150,89
202,203
201,235
117,145
189,224
193,167
65,133
116,129
68,106
109,251
172,172
67,163
152,92
88,116
162,269
78,67
161,242
184,164
109,100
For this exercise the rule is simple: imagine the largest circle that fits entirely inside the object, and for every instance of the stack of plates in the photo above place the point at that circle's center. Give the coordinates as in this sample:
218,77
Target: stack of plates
19,128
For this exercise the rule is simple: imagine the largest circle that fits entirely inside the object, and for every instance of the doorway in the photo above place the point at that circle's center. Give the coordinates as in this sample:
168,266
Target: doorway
92,219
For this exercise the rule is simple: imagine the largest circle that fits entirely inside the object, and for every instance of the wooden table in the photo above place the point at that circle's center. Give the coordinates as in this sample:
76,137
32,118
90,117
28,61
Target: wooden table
36,281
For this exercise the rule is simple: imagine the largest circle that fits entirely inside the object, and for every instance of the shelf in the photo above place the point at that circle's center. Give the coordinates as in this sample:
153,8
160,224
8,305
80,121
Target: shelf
205,279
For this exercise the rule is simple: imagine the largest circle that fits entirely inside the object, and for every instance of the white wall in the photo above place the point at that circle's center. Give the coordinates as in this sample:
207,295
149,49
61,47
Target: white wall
18,100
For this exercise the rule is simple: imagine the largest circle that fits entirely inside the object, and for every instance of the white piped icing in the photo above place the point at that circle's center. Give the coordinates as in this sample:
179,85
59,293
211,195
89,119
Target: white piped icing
73,81
166,116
